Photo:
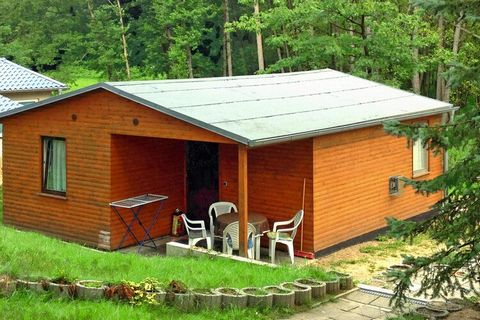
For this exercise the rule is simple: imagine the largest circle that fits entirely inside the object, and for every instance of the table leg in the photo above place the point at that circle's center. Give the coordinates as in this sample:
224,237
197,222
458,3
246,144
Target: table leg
147,231
257,248
128,231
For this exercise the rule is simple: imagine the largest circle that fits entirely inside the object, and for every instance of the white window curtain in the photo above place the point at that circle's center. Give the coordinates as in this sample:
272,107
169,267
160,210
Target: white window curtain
54,165
420,157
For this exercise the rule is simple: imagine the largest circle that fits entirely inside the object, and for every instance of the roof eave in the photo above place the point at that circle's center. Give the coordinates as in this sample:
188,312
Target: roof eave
134,98
33,90
353,126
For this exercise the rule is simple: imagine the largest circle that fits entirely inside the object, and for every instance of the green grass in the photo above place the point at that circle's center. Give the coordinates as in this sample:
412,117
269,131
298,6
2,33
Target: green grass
25,305
76,77
35,256
82,82
28,254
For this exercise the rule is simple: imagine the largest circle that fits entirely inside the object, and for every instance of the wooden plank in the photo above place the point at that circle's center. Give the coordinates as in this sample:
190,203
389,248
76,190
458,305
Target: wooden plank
243,197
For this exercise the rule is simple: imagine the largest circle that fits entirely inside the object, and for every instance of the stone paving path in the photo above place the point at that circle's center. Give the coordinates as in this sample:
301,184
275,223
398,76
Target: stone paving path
355,305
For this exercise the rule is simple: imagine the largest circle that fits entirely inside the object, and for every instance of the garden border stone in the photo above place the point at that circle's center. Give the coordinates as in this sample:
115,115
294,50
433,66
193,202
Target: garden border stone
258,301
319,288
281,297
238,299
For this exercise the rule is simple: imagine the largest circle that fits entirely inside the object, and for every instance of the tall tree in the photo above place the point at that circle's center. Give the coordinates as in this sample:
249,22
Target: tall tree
456,225
228,66
120,14
184,23
261,61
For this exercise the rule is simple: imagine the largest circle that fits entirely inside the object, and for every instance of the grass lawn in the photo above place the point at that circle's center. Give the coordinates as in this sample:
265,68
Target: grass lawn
32,255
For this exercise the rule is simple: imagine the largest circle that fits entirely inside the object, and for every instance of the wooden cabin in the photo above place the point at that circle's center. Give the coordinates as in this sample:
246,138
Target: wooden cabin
252,140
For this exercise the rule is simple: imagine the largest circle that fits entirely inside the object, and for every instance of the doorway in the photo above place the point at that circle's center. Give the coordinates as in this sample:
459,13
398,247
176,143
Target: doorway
202,178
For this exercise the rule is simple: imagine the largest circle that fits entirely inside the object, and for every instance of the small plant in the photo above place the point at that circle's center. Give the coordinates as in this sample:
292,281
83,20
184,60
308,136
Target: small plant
202,291
92,284
176,286
123,291
255,291
144,292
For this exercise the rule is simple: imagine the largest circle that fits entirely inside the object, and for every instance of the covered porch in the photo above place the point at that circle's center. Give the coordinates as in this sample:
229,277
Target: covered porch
193,174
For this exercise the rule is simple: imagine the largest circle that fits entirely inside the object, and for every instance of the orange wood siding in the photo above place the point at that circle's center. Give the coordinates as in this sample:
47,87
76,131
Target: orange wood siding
85,212
275,182
146,165
351,171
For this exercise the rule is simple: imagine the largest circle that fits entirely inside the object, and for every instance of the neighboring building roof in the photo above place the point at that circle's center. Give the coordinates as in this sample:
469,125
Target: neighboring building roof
271,108
14,77
7,104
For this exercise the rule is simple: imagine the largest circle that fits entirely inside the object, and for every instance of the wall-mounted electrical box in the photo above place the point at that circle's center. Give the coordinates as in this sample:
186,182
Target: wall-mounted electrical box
395,186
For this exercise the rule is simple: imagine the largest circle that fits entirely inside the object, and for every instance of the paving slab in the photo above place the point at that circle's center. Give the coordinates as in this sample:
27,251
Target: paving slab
344,315
361,297
347,305
352,306
381,302
369,311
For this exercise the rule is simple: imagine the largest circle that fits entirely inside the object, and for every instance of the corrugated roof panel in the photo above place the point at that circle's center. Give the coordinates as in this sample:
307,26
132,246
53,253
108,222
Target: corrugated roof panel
14,77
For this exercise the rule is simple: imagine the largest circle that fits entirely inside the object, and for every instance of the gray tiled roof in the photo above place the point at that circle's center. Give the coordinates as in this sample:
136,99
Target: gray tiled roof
7,104
14,77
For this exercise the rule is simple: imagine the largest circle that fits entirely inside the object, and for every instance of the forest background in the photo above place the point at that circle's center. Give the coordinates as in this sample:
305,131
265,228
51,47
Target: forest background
394,42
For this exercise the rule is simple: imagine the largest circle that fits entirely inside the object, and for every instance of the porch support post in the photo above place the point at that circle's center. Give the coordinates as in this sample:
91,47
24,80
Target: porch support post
243,198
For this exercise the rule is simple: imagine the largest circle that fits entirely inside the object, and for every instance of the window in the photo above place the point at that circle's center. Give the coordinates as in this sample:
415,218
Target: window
54,166
420,158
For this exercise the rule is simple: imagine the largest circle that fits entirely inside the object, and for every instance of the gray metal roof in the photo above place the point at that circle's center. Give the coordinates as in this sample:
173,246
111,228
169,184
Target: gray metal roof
265,109
7,105
14,78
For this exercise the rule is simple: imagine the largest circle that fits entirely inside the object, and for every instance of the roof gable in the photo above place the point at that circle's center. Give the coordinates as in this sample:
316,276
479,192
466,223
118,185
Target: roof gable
14,77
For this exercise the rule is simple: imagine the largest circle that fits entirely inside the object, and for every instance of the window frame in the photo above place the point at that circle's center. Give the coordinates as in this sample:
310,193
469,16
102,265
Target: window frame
423,171
44,189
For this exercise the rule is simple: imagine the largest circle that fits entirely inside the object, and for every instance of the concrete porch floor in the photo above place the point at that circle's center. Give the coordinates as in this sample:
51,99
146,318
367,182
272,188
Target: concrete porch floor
281,257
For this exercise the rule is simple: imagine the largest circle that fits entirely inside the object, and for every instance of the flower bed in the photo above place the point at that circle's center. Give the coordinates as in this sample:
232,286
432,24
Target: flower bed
176,293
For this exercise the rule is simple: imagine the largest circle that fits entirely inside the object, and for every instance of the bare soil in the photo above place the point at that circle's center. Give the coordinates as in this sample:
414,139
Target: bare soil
367,260
465,314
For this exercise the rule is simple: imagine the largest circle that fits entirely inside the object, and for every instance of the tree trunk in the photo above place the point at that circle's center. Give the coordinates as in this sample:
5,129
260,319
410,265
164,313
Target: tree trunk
124,39
440,68
189,62
279,54
455,47
333,32
261,62
227,41
351,59
365,32
90,9
416,74
287,55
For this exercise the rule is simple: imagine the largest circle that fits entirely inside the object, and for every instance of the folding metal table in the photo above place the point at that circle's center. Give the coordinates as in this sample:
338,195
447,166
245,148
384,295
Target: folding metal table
135,206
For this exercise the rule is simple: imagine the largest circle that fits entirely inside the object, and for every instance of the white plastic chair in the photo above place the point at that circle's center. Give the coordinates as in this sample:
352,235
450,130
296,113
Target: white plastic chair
284,235
196,234
217,209
231,238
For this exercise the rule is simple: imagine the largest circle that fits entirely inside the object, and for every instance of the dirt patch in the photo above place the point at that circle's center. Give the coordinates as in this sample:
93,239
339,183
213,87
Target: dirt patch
366,260
465,314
